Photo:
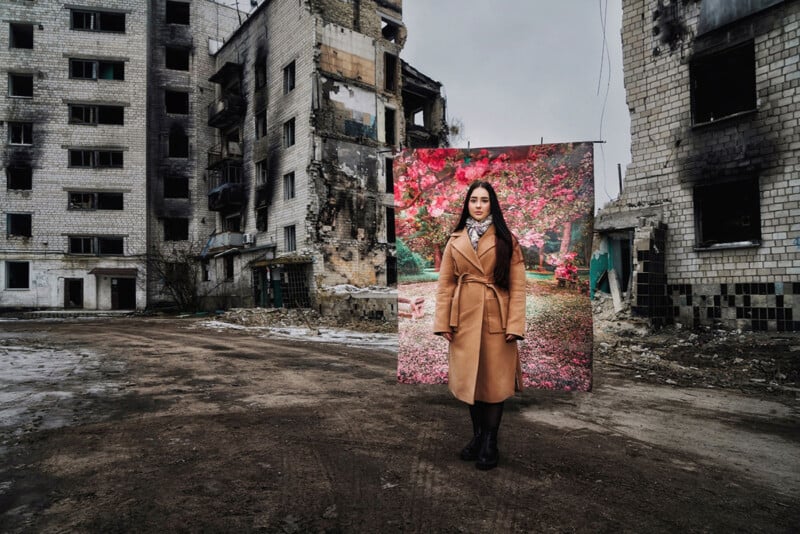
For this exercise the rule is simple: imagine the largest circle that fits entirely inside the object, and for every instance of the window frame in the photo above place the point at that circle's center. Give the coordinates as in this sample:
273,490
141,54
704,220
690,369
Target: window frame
183,5
96,243
25,132
12,37
290,238
705,86
9,277
94,157
262,172
96,20
289,191
289,133
12,86
741,189
289,77
261,124
12,226
98,114
97,66
27,180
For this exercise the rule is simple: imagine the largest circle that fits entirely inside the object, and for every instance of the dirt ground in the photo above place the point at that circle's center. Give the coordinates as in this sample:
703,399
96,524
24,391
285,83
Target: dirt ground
175,425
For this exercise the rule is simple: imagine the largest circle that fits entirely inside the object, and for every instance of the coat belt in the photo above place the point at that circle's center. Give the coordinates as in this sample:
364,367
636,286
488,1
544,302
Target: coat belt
468,278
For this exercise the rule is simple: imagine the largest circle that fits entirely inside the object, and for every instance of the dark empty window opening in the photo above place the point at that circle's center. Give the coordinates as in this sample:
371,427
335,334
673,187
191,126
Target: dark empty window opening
176,102
109,201
390,235
390,30
81,245
389,175
109,245
261,124
95,201
20,85
178,143
261,219
260,73
95,158
19,177
177,58
288,77
206,269
176,229
17,275
390,72
100,21
177,12
391,270
229,267
177,187
90,114
20,133
109,158
233,223
19,224
728,213
389,125
288,133
20,35
89,69
723,84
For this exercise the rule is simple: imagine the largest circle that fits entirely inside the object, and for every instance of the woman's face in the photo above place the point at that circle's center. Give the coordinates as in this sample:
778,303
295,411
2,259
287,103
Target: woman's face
479,207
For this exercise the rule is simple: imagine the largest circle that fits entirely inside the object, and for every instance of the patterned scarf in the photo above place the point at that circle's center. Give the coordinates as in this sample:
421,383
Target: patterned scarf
476,229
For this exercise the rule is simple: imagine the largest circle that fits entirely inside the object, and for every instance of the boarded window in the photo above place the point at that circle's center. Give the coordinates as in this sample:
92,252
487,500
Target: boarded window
728,213
19,224
177,12
19,177
289,238
20,35
17,275
20,133
98,21
176,102
176,187
176,229
390,72
177,58
723,84
20,85
288,186
288,77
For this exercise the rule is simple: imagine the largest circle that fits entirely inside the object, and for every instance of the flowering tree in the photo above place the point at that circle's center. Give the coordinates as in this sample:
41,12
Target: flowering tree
541,188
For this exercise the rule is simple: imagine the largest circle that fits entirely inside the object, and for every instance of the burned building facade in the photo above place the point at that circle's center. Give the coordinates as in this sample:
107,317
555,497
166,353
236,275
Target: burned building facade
707,228
309,113
151,142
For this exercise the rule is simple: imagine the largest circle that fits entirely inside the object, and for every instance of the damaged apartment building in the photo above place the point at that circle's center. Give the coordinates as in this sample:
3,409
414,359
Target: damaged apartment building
707,228
151,141
313,101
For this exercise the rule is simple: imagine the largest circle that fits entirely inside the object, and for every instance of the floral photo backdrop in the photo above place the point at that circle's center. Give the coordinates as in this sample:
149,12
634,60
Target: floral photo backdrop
547,196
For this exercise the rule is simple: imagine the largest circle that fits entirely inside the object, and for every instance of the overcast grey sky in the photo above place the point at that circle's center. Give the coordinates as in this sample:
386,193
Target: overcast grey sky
517,71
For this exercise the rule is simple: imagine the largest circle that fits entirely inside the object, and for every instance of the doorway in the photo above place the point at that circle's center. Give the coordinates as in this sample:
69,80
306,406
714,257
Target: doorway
123,293
73,292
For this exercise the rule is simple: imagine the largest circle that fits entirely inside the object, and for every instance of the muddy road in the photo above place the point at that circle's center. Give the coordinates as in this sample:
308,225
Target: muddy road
166,425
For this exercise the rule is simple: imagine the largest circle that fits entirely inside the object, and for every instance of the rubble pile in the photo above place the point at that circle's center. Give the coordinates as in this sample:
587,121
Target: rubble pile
302,317
703,357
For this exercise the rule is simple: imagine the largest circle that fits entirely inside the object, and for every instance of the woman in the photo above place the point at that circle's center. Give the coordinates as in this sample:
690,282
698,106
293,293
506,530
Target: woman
480,311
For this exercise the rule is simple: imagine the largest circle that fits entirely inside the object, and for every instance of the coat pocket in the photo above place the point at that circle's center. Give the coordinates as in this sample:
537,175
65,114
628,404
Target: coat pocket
494,320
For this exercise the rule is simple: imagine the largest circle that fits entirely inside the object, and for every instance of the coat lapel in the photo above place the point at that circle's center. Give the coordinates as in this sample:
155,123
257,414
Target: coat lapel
462,244
487,242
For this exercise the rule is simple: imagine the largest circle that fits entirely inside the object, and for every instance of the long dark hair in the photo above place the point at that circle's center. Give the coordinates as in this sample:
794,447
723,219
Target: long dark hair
503,248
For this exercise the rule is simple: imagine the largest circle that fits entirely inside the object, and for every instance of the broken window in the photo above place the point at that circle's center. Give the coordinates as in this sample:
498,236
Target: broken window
727,213
109,246
90,69
177,58
20,35
229,267
390,236
288,186
19,177
390,72
176,187
176,229
288,78
81,245
288,133
261,124
205,267
20,85
96,245
262,172
723,84
95,201
95,158
260,73
389,125
261,219
233,223
389,29
20,133
419,118
391,270
17,275
109,201
389,175
81,201
19,224
178,143
176,102
100,21
177,13
289,238
89,114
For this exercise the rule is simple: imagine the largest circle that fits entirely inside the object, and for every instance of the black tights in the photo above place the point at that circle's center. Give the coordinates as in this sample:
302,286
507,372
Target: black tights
486,415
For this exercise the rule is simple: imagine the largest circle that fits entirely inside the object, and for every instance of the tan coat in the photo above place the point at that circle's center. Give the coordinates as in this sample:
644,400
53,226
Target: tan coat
483,366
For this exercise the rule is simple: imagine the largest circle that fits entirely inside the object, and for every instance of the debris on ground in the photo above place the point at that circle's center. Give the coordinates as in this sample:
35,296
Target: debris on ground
303,317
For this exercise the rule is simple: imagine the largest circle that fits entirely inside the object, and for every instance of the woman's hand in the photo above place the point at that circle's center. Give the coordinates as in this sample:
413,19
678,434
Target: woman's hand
511,337
448,336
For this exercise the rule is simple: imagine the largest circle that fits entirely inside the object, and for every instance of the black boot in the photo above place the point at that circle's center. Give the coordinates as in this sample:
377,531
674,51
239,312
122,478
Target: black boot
488,454
470,452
